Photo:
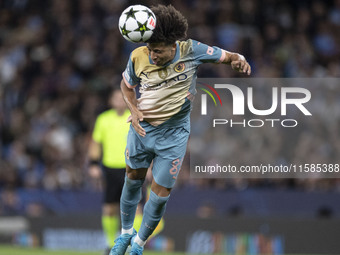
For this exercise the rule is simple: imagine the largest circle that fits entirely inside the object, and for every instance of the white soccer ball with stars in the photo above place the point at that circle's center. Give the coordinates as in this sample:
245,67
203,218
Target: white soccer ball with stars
136,23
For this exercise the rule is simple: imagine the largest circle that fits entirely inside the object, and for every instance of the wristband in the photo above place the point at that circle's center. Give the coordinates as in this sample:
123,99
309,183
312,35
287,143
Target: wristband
94,162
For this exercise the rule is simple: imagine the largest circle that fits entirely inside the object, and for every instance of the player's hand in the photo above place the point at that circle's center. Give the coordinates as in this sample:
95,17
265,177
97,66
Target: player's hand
135,118
95,171
242,66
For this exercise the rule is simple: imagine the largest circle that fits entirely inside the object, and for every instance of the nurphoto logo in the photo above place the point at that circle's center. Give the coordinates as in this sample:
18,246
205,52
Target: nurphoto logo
281,98
265,128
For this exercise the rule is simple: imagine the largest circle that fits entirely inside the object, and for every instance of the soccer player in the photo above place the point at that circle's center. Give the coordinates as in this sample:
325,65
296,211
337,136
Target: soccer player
108,145
166,71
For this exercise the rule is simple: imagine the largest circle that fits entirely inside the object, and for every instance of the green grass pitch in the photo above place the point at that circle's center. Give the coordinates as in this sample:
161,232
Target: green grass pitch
15,250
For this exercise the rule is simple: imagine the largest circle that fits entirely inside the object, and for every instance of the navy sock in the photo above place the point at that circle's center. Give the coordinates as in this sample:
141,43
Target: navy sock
131,195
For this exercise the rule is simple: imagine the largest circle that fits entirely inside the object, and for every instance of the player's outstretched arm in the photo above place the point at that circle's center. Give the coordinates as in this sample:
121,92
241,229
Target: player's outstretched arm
131,102
237,62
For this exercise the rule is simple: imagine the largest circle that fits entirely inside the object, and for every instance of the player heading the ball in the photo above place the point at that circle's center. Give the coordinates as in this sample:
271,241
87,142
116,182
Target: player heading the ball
165,71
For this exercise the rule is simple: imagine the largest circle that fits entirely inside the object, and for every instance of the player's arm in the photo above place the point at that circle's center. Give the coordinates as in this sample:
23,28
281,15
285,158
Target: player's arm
131,101
207,54
237,62
94,153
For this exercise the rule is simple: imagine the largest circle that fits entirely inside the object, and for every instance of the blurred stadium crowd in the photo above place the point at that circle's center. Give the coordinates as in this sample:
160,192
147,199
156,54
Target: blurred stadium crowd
59,58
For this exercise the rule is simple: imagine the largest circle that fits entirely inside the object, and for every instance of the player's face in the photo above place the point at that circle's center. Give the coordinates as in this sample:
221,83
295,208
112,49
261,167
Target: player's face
161,53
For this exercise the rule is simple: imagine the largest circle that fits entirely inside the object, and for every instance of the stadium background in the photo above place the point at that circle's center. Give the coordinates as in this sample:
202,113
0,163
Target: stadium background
58,59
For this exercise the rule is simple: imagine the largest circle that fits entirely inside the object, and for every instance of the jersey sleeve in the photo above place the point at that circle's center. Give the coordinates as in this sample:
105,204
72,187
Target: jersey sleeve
97,134
207,54
129,75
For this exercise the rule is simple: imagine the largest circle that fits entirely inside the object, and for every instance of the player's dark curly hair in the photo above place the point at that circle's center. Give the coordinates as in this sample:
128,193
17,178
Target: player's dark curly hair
171,25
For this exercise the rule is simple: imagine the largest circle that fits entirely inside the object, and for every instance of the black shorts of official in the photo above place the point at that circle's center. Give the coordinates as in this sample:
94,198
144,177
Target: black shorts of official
113,184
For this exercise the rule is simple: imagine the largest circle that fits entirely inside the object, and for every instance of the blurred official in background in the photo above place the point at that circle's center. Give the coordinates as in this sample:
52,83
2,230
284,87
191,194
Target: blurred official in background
106,154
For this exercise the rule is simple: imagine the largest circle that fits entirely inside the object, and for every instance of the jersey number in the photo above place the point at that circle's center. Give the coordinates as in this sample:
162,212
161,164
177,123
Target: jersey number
176,166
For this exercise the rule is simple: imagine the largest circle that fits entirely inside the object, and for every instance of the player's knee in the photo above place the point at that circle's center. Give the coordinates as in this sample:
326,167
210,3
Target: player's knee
160,190
135,174
132,176
132,191
133,183
158,200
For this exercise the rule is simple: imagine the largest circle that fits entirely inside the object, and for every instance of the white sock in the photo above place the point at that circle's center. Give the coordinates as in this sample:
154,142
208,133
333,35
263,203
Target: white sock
139,241
127,231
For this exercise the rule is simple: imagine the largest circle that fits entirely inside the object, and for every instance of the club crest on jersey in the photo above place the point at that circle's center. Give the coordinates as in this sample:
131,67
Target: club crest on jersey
163,73
180,67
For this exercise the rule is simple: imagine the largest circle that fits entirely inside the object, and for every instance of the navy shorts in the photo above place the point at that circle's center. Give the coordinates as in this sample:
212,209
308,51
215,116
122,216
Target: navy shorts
113,184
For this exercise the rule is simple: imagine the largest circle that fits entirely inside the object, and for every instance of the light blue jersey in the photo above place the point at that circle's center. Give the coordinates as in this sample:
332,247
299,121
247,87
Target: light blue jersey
166,93
163,89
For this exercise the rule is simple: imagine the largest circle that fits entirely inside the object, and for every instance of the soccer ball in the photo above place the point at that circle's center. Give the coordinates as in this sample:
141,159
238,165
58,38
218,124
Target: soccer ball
136,23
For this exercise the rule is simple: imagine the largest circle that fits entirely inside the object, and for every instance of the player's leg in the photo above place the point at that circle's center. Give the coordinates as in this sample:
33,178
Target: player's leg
152,214
138,159
110,223
170,148
113,184
139,215
131,195
138,222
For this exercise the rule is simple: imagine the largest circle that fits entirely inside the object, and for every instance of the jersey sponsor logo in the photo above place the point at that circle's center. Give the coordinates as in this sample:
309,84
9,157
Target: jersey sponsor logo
163,73
164,84
180,67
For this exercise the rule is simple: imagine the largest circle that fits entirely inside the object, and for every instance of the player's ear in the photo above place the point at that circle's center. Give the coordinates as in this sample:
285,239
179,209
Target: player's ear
174,46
